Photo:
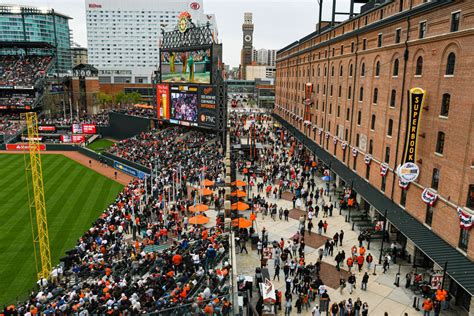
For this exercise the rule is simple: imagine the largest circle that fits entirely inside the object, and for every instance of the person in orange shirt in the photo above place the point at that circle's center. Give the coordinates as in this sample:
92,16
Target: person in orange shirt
427,307
208,310
177,260
362,251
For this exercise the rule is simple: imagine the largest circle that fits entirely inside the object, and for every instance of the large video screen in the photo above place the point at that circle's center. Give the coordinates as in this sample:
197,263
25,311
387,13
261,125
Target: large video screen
187,66
184,104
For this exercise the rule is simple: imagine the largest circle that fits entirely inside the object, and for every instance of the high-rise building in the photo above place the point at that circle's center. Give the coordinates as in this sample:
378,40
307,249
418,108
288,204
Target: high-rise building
30,24
360,120
265,57
247,39
123,36
79,55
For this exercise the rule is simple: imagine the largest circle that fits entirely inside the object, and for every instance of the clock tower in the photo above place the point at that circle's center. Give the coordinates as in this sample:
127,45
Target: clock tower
246,56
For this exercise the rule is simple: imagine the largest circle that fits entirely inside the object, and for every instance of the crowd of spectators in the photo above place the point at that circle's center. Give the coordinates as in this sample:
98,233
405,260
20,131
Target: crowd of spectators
22,70
99,119
112,269
192,149
10,124
135,111
17,100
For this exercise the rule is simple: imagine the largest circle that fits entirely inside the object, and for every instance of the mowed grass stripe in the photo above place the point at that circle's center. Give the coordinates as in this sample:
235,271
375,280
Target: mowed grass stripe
21,190
23,260
59,176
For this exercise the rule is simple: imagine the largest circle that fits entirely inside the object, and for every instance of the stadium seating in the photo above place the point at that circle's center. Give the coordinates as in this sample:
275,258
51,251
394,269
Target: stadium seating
22,70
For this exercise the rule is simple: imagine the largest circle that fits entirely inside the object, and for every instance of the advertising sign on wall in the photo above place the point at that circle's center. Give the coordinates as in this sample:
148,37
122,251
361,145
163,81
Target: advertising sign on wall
76,128
89,129
409,171
78,138
129,170
24,147
163,101
47,128
207,107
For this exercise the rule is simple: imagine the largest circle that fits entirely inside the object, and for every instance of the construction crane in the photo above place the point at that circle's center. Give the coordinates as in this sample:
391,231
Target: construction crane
36,200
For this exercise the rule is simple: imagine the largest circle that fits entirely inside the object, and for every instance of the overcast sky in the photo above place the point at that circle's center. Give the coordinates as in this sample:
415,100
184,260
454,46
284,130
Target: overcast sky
277,22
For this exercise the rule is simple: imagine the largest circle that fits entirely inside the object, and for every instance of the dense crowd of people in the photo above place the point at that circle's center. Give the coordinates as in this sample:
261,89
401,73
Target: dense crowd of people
22,70
99,119
136,111
112,269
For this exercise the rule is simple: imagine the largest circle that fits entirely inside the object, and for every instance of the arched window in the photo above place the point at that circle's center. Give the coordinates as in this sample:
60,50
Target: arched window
340,91
341,71
440,143
396,64
445,104
390,127
350,70
451,64
393,98
332,71
376,95
319,71
377,69
419,66
325,71
362,70
349,93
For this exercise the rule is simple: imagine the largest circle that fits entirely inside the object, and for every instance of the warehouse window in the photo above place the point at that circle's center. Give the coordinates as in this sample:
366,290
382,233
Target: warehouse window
393,98
362,70
350,70
359,117
372,122
349,93
387,154
464,239
470,196
398,36
419,66
383,184
440,143
377,69
364,44
403,198
361,94
376,95
348,112
435,179
390,127
367,172
429,215
445,104
422,30
455,17
371,147
450,64
379,40
396,64
340,91
341,70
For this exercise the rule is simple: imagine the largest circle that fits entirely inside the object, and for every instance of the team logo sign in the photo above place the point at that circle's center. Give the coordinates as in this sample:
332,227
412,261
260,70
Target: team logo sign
408,172
195,6
183,21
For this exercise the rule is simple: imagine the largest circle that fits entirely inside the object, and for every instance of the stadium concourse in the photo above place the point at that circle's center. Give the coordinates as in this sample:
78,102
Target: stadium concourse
315,259
145,253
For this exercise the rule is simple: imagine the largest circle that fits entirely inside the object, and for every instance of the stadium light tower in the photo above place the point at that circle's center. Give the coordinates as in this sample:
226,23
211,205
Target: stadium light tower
37,204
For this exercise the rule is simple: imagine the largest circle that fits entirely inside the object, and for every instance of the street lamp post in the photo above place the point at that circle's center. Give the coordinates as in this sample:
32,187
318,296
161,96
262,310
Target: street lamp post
383,235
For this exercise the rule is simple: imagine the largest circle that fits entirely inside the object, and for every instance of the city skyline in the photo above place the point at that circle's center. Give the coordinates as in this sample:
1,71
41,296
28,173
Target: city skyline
229,17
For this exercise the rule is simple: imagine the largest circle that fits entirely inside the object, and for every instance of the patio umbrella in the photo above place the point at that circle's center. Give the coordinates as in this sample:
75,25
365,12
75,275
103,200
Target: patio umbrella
205,191
239,193
240,206
199,208
241,222
198,220
239,183
208,183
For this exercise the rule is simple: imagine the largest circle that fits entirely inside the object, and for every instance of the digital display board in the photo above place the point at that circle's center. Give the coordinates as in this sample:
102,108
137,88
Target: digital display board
163,101
184,105
207,106
186,66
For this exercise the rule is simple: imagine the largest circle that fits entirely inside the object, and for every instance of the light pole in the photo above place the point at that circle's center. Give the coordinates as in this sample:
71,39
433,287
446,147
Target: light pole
383,235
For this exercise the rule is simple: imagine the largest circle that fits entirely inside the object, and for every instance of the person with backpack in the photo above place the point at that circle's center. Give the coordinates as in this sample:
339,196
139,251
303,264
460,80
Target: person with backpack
352,282
365,280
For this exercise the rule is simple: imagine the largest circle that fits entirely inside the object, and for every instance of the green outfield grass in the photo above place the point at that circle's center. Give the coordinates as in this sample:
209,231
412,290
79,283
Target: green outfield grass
75,197
100,145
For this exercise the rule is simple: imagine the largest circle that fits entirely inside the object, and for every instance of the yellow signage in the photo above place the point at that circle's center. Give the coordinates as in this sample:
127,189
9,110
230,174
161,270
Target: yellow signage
415,106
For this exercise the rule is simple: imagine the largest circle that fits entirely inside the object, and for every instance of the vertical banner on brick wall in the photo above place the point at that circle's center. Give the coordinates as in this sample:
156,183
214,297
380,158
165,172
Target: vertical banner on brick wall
408,171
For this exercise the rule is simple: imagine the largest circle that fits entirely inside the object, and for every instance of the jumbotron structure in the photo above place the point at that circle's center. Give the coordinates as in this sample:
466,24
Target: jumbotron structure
36,203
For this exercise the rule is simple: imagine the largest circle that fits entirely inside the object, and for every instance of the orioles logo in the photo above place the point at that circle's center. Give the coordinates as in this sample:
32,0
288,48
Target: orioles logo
207,90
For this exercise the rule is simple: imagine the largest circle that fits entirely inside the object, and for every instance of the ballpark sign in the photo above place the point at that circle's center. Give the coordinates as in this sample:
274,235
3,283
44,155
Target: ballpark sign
409,171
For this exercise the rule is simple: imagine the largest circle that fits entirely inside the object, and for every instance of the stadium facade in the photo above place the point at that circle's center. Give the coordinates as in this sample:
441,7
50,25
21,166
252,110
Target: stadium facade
355,119
128,52
31,24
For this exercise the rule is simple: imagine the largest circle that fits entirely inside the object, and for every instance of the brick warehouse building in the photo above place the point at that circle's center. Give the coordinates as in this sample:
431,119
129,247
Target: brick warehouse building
361,70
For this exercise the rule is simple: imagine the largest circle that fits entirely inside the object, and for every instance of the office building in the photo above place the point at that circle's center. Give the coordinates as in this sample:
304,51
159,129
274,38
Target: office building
123,36
356,117
79,55
20,23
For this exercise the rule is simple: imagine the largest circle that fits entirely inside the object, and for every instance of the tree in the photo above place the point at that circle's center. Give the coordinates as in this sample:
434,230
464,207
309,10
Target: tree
134,97
120,98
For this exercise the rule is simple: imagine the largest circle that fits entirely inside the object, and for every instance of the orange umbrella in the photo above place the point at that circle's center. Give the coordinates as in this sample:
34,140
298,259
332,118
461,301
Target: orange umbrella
198,220
205,191
240,206
239,193
239,183
241,222
199,208
208,183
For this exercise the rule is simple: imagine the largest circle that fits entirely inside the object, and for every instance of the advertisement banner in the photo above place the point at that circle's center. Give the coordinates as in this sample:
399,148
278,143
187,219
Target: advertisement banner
163,101
415,106
207,107
76,128
65,139
78,139
47,128
129,170
89,129
24,146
